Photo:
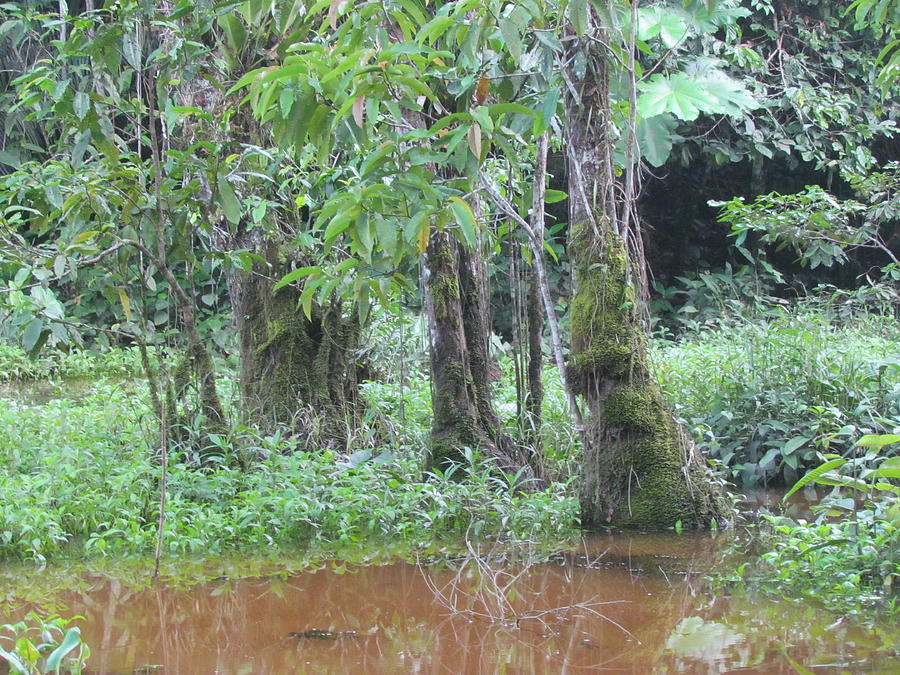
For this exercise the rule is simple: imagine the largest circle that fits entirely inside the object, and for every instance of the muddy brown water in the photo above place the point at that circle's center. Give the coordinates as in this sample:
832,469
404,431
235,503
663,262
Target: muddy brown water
616,603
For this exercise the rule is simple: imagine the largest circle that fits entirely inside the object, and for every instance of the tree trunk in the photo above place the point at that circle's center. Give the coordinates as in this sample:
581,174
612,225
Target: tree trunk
464,415
640,468
535,388
295,371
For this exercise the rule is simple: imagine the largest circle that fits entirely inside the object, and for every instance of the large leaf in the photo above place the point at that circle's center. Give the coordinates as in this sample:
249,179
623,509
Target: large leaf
878,441
579,14
729,96
512,38
686,97
466,219
70,641
32,334
655,136
677,94
231,207
293,275
14,661
667,23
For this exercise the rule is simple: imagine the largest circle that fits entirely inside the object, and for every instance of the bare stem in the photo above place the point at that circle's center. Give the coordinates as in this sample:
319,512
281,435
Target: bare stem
537,249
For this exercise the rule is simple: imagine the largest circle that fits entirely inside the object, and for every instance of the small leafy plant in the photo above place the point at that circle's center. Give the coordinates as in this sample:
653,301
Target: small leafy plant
849,557
43,645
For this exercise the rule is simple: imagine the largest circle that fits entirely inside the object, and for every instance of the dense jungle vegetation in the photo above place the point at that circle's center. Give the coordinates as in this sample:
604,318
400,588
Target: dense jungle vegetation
281,273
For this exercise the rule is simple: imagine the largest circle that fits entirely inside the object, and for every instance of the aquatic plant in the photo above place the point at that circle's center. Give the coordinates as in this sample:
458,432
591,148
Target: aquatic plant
44,645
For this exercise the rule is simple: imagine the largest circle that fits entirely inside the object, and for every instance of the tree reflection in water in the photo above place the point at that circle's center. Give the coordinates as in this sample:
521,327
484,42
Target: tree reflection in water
619,603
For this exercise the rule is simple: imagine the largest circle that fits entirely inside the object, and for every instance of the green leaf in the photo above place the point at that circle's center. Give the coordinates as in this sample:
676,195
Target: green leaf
80,147
231,207
655,136
816,474
729,96
878,441
293,275
548,111
9,159
466,219
13,661
32,334
677,94
235,32
131,49
70,641
686,97
510,33
81,103
434,29
553,196
306,297
247,78
794,444
578,12
661,21
341,222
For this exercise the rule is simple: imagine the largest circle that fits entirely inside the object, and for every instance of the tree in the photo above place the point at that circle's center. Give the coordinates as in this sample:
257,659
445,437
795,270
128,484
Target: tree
640,468
394,99
99,193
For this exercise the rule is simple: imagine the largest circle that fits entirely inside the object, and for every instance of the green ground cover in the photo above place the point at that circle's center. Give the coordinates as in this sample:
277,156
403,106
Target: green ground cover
767,398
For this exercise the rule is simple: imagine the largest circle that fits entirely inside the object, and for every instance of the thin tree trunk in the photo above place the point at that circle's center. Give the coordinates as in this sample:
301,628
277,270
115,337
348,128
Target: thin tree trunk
537,247
535,396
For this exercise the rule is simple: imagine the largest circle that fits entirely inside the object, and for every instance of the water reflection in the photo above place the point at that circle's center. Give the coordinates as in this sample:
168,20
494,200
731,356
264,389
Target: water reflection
616,604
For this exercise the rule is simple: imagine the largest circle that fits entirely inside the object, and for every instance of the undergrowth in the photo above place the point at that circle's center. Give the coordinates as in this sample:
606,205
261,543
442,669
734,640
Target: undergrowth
16,364
767,396
82,479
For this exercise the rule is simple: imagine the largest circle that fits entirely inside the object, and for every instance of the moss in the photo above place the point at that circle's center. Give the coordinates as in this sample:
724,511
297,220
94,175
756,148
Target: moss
631,407
453,428
606,335
444,291
638,470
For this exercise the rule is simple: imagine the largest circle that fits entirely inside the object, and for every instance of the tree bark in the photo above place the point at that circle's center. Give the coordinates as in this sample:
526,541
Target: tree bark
535,388
639,467
296,371
463,412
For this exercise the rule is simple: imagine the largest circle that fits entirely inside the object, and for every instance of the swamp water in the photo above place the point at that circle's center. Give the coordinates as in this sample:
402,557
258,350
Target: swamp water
617,603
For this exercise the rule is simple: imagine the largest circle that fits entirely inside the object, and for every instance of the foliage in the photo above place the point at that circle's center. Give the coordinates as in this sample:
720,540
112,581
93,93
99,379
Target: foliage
44,645
883,18
817,226
706,297
812,68
15,364
766,394
81,478
849,557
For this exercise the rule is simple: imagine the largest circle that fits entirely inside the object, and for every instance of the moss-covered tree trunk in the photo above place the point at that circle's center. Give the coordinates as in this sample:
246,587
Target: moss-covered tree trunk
295,371
463,412
639,467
